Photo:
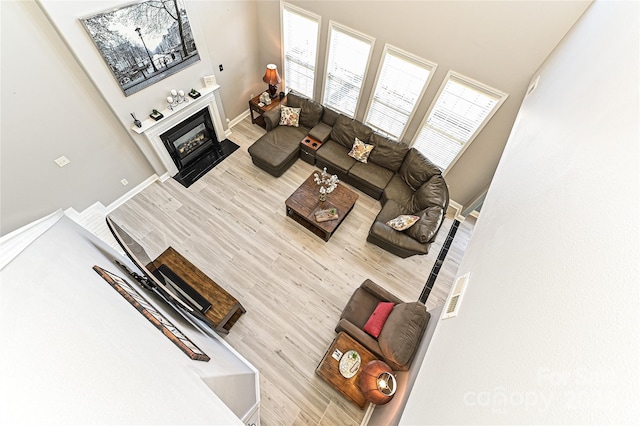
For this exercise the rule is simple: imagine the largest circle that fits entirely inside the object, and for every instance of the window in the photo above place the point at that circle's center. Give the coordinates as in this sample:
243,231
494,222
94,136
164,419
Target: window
461,109
402,79
347,59
300,45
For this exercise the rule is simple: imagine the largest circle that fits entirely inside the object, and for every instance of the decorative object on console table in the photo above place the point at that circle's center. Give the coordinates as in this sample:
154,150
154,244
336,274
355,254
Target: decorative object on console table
272,78
326,182
255,107
156,115
377,382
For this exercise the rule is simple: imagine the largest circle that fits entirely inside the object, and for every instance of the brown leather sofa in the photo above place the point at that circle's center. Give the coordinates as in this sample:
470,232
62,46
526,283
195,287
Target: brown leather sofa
400,177
401,333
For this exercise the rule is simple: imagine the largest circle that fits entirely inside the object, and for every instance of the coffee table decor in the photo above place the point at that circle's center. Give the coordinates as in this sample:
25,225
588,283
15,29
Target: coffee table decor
302,205
326,214
326,182
350,364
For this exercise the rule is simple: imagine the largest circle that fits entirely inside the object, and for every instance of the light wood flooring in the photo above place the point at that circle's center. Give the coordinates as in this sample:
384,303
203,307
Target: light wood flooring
232,225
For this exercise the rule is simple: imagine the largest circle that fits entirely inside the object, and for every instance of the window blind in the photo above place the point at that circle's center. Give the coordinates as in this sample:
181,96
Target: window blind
459,113
300,42
346,66
400,84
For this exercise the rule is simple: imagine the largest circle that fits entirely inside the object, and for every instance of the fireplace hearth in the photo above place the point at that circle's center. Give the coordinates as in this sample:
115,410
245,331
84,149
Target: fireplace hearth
194,147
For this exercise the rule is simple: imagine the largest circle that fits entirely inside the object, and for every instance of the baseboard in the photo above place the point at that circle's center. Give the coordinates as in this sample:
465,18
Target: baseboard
130,194
457,208
239,118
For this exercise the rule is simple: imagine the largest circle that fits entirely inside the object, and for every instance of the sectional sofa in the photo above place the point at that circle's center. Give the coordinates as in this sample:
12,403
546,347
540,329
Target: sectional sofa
405,182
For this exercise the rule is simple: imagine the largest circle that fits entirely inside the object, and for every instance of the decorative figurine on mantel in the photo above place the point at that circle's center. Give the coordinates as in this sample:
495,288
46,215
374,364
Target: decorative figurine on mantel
194,94
176,97
137,122
156,115
327,183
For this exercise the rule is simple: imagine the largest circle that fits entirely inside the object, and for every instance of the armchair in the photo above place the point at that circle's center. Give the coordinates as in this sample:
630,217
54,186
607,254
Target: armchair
401,333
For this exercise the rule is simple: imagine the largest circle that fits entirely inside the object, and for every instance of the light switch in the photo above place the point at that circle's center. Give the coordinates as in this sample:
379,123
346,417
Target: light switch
62,161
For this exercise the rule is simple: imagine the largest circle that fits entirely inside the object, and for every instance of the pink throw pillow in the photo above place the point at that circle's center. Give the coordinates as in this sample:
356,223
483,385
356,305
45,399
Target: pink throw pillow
377,319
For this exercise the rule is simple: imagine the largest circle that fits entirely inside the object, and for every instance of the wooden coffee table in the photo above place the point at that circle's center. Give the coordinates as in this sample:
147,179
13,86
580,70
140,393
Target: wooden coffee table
304,202
328,368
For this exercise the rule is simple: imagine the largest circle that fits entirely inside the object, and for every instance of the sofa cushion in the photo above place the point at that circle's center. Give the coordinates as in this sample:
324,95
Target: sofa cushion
425,229
433,192
278,146
289,116
387,153
402,333
376,321
383,232
400,192
370,178
320,131
335,155
416,169
360,151
311,111
329,116
346,130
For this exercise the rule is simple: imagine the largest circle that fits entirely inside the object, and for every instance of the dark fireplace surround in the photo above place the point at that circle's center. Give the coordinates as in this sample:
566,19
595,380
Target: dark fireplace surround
194,147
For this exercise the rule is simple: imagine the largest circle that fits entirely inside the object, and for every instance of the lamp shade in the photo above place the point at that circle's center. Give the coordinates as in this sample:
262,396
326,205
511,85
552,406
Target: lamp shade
271,77
377,382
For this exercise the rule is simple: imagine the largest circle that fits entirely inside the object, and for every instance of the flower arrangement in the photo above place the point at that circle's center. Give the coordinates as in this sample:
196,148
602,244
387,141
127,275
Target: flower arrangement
326,182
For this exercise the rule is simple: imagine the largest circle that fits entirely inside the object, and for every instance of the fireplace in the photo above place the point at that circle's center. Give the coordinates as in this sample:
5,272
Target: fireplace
194,147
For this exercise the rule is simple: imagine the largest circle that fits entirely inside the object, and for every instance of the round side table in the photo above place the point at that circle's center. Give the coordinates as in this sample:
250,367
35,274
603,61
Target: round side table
377,382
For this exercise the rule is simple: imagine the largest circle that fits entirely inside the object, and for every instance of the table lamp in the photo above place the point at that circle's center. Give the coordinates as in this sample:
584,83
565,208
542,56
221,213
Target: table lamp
272,78
377,382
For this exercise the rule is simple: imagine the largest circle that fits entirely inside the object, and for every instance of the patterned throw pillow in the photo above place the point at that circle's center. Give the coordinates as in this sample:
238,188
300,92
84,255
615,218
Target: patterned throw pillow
402,222
289,116
360,150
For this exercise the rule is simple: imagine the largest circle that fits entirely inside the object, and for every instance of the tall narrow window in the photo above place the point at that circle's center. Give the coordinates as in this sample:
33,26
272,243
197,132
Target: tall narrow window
401,82
461,109
347,60
300,46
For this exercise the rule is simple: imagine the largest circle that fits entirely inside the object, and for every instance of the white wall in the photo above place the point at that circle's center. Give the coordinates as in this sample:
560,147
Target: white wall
50,108
76,352
547,331
59,98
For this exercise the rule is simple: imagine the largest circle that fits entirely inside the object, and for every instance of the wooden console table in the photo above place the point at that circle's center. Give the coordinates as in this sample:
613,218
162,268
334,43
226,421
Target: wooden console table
254,107
225,309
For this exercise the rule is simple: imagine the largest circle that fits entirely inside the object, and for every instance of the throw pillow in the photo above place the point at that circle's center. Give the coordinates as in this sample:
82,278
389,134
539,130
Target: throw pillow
402,222
360,150
376,321
289,116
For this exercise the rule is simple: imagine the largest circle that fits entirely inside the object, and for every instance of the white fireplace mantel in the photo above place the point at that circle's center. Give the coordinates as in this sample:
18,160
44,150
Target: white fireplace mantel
152,129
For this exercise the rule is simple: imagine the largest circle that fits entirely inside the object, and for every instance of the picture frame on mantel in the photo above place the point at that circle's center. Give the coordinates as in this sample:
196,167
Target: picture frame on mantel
143,42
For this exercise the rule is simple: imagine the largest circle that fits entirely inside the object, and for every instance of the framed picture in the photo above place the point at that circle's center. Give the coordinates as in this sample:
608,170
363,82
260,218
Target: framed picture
152,314
144,42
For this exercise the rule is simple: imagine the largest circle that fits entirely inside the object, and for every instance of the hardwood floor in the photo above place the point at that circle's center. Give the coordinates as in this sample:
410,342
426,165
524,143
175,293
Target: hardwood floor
232,225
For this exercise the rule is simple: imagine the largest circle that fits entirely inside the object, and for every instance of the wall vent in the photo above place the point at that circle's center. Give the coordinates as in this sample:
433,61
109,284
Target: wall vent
455,297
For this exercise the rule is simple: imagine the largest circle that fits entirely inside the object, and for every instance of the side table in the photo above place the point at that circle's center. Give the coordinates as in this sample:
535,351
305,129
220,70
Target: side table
254,107
308,147
329,369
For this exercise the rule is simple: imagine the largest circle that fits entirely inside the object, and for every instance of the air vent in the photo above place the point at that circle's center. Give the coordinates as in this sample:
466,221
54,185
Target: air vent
455,297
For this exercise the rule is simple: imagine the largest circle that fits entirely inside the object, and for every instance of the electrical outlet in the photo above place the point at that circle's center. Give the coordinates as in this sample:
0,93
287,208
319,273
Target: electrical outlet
220,66
62,161
124,182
